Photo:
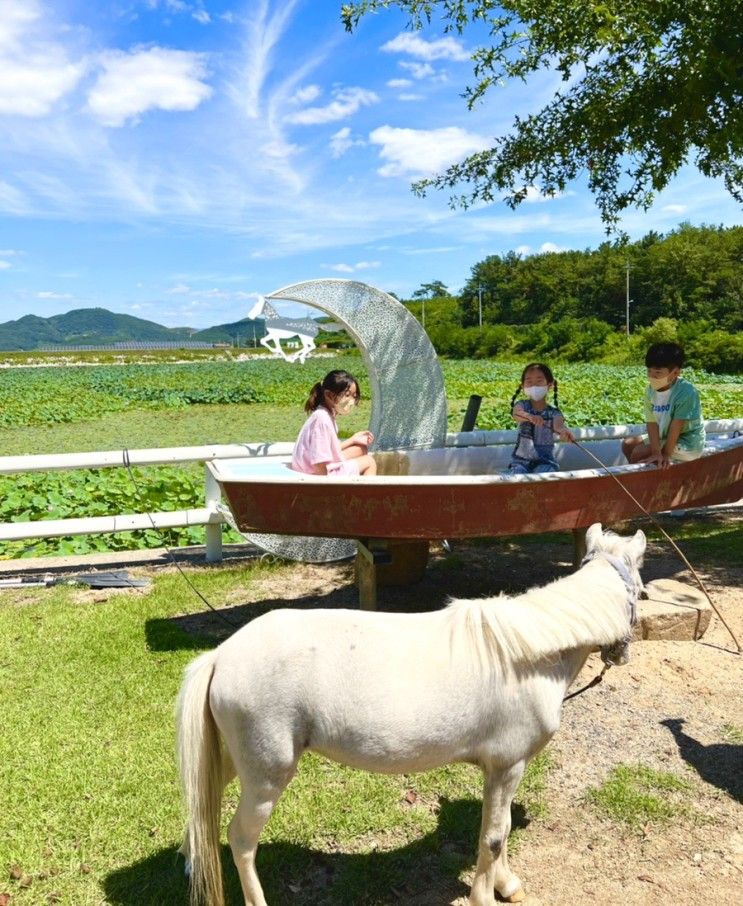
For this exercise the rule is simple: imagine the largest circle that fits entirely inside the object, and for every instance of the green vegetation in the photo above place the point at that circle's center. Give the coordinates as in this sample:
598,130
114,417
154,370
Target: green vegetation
733,734
646,87
109,407
88,787
638,795
571,306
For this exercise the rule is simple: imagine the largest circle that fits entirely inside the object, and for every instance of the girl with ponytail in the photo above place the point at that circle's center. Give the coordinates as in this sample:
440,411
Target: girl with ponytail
318,450
538,422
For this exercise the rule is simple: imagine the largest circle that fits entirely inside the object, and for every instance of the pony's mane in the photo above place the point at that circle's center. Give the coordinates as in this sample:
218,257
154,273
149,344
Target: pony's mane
585,610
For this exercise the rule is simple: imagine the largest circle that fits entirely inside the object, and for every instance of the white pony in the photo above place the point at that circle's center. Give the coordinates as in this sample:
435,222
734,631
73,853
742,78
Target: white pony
279,328
480,681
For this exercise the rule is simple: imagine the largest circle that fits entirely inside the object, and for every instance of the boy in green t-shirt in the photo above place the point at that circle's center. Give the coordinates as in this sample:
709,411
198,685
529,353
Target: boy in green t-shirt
672,411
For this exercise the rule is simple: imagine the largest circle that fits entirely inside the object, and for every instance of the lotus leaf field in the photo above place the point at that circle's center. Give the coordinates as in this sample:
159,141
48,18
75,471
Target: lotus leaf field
41,398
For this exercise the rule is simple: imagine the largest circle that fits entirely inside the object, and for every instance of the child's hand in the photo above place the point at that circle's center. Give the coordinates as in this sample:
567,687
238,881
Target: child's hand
659,459
363,438
566,436
536,420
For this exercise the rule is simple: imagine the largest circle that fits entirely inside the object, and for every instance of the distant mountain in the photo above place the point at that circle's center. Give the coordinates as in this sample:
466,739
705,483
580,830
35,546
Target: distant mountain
100,327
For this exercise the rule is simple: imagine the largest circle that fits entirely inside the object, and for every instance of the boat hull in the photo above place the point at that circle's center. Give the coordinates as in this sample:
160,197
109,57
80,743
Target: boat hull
434,507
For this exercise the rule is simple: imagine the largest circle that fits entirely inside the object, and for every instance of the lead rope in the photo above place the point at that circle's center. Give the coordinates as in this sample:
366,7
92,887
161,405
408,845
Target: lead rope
128,465
594,682
667,537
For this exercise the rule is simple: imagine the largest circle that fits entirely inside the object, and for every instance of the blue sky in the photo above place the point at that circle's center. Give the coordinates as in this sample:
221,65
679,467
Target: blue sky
173,159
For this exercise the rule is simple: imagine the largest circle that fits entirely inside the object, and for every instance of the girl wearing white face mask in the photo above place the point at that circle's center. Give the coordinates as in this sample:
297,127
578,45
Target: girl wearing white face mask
319,450
538,422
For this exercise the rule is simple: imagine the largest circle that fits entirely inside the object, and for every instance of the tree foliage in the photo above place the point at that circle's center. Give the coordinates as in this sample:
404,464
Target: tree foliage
686,286
431,290
646,86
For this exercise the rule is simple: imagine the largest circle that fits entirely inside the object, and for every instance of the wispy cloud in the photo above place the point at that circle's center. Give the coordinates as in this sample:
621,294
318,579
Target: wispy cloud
421,152
414,45
341,141
152,78
419,71
353,268
307,95
347,101
264,32
47,294
399,83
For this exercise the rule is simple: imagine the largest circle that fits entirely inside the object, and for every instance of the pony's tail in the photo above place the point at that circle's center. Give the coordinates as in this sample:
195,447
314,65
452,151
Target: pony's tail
200,764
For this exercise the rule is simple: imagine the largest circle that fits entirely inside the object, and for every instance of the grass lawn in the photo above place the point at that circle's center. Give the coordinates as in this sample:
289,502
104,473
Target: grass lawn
88,787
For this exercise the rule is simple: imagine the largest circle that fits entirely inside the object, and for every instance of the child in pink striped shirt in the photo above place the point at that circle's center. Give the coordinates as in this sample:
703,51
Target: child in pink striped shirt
318,450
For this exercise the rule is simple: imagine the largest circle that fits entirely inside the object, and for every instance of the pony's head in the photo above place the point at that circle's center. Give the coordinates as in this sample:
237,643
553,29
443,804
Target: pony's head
625,555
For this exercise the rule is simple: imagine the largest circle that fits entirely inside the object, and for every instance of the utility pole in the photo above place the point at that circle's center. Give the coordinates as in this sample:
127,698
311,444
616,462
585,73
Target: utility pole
627,301
479,304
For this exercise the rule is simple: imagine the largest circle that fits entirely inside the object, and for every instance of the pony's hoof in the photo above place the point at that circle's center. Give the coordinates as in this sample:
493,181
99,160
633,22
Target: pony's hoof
516,897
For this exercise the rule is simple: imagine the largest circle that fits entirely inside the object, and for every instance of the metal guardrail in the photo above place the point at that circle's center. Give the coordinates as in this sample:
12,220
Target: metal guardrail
209,515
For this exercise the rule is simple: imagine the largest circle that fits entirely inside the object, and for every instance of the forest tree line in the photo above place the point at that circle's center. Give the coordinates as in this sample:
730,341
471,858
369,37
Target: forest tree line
686,286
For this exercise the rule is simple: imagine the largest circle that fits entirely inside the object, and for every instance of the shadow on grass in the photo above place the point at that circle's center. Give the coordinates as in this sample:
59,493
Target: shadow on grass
483,567
424,871
720,764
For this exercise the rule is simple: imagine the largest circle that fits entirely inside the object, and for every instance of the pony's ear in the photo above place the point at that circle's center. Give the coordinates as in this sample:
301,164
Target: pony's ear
637,545
594,534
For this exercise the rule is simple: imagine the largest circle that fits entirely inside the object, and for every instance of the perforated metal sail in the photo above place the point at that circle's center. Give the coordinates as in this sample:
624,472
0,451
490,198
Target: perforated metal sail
407,385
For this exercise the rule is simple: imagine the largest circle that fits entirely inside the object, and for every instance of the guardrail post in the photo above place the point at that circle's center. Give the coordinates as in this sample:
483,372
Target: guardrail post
213,529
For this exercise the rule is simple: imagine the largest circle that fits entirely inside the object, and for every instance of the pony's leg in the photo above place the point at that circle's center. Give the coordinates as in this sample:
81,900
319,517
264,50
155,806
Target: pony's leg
492,871
257,800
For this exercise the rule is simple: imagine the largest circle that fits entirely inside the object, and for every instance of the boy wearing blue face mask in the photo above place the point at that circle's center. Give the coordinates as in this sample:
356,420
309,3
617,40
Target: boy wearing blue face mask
538,422
672,412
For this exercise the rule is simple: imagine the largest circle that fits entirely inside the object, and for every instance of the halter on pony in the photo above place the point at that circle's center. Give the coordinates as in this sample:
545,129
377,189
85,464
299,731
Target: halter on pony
617,654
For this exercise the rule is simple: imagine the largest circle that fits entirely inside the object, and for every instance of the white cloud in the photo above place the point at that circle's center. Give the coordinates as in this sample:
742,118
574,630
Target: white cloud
145,79
52,295
410,97
399,83
9,253
419,70
550,247
178,289
535,195
36,71
347,102
4,265
12,200
352,268
522,250
341,141
307,95
441,49
421,152
674,208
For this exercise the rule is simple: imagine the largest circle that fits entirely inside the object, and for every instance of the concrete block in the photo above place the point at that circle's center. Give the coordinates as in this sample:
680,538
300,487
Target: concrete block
673,611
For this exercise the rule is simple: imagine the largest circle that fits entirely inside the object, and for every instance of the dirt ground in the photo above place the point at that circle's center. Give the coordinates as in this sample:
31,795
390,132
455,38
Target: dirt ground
670,709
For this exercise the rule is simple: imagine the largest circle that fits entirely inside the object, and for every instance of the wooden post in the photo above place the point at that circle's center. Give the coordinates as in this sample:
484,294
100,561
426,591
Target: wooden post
367,560
579,546
470,416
